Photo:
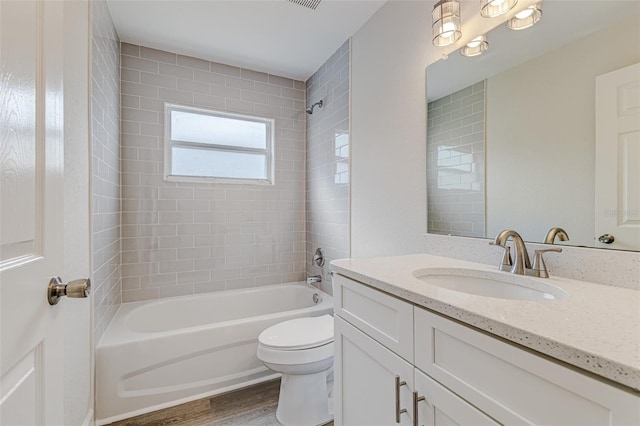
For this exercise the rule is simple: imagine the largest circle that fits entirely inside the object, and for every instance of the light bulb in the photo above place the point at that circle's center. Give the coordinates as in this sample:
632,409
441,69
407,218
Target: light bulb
475,47
446,23
448,27
475,42
493,8
524,13
526,18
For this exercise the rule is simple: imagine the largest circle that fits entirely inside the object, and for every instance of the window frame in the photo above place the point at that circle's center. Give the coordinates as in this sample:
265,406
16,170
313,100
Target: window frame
169,143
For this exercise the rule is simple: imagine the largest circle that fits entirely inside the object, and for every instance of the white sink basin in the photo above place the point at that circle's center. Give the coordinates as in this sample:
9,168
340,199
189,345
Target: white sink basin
490,284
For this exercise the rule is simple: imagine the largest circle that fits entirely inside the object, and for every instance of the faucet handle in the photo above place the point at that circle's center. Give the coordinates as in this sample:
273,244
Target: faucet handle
539,267
507,262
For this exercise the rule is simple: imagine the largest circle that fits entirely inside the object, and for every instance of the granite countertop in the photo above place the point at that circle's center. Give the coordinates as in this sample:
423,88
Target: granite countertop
595,327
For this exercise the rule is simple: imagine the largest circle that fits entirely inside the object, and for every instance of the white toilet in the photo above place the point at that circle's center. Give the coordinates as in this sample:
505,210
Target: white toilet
302,350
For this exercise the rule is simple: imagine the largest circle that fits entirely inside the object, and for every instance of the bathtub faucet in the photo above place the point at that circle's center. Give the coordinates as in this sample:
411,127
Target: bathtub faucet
314,279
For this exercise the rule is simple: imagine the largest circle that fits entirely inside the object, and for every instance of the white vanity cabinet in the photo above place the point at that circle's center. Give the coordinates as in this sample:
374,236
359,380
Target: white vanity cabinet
372,375
375,379
466,377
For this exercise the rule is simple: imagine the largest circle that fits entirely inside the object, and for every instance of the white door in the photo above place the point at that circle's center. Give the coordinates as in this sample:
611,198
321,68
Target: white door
31,199
365,387
617,196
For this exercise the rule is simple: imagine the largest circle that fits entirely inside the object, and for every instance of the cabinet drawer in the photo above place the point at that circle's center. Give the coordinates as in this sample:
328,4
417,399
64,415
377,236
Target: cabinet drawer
512,385
385,318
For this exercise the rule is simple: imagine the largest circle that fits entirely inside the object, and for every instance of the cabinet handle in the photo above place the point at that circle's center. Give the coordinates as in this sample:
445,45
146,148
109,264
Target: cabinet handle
398,410
416,400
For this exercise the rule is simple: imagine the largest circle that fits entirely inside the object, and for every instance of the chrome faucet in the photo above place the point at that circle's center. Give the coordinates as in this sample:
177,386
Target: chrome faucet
539,267
314,279
522,264
560,233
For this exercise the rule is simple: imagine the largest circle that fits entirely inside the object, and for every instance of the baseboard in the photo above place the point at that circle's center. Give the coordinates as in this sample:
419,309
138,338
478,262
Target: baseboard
88,420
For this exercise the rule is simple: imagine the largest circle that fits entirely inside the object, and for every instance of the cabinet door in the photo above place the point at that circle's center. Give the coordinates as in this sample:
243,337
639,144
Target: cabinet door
365,373
441,407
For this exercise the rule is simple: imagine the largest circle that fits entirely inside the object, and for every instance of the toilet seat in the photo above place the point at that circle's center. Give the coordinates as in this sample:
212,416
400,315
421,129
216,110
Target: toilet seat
300,357
298,334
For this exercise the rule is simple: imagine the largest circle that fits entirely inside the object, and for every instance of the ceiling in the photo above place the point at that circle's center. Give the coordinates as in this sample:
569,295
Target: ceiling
273,36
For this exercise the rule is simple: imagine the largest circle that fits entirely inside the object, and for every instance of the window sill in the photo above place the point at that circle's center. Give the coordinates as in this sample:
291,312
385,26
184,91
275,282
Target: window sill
210,179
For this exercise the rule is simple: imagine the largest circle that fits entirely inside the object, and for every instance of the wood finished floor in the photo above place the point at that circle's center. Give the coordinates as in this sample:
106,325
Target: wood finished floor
252,406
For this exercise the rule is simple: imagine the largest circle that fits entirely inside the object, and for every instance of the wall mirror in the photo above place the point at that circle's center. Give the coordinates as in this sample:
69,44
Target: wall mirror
511,134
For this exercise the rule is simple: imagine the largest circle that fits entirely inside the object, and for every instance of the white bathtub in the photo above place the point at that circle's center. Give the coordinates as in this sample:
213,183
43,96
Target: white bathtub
160,353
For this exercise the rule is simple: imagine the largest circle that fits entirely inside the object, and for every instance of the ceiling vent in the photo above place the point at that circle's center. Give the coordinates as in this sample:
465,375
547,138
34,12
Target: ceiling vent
311,4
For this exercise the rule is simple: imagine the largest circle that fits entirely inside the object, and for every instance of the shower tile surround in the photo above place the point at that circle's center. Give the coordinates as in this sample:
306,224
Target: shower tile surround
327,164
191,237
455,163
105,186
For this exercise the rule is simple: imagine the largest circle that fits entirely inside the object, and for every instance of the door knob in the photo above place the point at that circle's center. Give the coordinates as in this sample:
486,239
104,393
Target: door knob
606,238
76,288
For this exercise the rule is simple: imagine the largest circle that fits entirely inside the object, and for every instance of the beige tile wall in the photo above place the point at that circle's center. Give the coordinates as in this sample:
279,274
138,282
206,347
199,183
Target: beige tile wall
105,187
328,149
184,238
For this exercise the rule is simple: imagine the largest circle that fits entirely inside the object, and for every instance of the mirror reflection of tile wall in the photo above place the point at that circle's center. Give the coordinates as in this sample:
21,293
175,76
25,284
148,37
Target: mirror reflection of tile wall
455,163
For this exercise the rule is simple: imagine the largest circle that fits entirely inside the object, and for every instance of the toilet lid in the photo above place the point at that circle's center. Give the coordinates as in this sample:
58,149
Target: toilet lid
299,333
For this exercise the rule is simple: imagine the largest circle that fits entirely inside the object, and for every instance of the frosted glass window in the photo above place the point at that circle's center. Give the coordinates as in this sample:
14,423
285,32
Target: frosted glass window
211,129
199,162
204,144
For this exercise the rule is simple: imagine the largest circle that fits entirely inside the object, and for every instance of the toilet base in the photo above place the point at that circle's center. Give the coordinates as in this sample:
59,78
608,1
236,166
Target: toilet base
304,399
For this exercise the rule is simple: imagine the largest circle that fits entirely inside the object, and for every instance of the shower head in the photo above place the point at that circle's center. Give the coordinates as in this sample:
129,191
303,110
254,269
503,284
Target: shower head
317,104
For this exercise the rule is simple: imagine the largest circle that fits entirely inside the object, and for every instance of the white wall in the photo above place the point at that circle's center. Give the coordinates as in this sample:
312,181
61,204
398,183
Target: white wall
388,123
388,127
78,349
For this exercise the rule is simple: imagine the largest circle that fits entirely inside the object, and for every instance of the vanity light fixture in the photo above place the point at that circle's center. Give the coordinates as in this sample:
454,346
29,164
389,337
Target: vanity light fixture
475,47
526,18
493,8
445,23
